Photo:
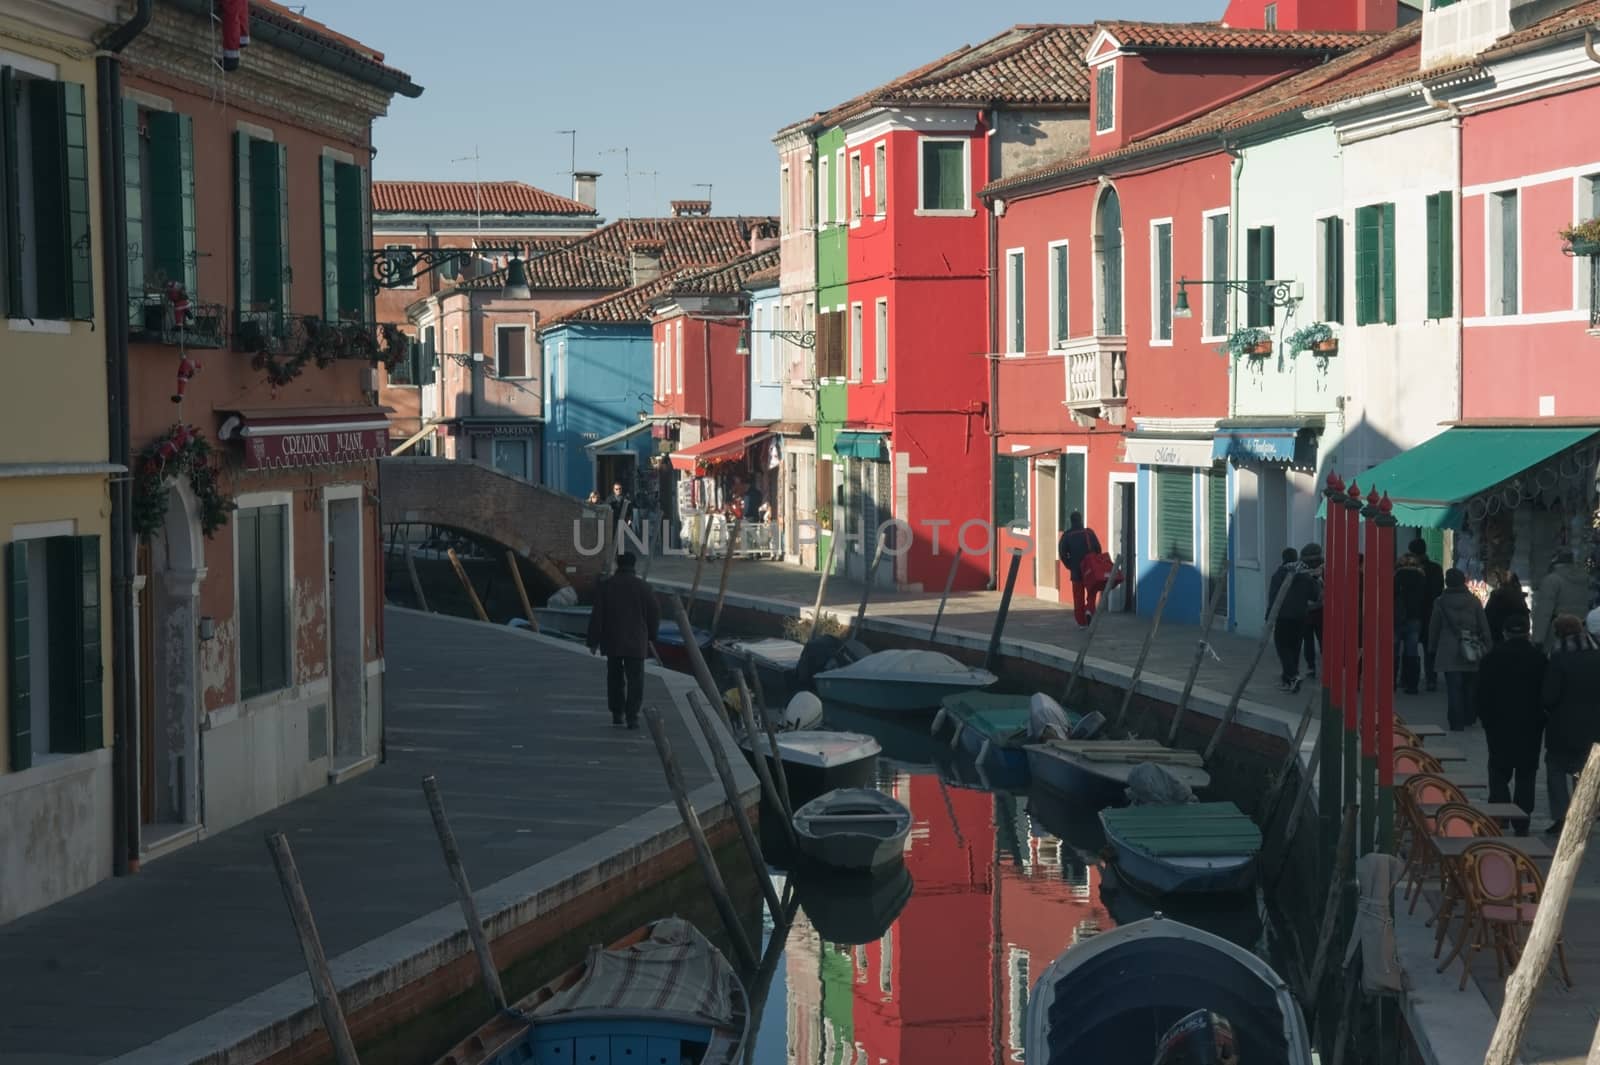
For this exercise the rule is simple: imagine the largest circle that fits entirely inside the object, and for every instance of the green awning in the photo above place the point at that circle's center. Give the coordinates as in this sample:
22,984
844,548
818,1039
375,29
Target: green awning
857,444
1430,483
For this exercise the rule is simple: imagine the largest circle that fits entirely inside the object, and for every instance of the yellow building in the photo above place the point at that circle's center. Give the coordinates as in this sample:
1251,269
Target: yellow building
56,777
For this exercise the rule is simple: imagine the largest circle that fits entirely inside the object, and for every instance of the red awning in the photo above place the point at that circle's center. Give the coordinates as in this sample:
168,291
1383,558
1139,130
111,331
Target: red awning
286,438
696,458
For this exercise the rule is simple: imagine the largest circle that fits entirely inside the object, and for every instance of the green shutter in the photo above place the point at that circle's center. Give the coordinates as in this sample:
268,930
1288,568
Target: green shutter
167,252
1021,481
11,187
1174,515
133,200
89,711
1388,264
352,242
1367,244
1217,531
330,239
1074,487
952,176
243,248
271,591
1105,93
51,250
1333,269
19,666
1219,272
1447,255
1268,263
1163,293
1005,491
1252,273
1063,307
188,224
80,248
1018,311
246,525
425,374
285,271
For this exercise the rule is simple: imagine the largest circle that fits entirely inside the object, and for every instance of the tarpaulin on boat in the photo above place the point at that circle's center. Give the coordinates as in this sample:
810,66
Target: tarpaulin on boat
674,972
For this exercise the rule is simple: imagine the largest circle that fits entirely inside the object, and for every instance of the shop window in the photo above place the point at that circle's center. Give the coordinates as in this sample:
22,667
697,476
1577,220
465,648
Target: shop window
44,225
262,566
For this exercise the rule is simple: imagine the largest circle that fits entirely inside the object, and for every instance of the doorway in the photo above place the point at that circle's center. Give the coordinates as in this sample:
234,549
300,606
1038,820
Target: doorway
511,457
1124,535
346,657
1044,554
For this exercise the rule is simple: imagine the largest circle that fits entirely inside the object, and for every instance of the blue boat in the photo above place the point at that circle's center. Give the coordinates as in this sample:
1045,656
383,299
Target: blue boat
1095,772
1114,997
662,995
992,730
670,647
1189,849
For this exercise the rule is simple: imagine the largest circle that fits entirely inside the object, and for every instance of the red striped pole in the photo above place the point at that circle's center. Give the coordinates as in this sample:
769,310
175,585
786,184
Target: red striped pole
1371,666
1386,534
1333,608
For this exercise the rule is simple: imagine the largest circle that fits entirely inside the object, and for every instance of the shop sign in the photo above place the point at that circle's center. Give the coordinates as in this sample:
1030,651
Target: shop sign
289,451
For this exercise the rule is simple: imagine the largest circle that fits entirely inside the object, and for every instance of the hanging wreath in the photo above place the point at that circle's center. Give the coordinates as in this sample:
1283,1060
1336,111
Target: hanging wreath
327,342
184,450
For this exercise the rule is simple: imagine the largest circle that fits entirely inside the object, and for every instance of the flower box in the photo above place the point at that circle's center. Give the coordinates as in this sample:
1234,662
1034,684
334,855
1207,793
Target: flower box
1260,347
1584,247
1325,347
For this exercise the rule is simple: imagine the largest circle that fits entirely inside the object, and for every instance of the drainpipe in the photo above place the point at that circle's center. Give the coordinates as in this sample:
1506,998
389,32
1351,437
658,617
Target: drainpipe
114,270
1455,220
994,366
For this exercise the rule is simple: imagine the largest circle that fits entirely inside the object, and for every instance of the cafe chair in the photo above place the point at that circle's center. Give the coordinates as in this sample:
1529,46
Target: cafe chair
1503,889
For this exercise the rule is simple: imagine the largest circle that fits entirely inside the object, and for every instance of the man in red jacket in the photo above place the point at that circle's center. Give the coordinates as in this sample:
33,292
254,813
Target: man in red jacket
1077,544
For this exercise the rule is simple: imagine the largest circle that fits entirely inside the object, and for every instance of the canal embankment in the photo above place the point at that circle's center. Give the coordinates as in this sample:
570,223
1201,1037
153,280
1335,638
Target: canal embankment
565,825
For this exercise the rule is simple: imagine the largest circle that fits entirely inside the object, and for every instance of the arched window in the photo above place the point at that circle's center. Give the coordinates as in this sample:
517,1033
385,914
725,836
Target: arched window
1108,260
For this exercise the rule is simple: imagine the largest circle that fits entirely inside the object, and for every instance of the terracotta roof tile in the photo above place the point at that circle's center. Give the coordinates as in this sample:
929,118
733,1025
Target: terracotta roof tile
463,197
631,306
1580,16
729,278
295,22
601,262
764,278
1166,36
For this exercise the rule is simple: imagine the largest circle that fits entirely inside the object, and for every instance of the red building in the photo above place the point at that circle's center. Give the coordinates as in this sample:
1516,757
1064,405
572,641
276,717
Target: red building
1321,14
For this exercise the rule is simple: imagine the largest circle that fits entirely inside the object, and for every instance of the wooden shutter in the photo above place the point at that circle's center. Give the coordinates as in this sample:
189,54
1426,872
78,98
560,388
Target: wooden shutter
1217,532
243,216
1441,255
1388,263
1018,311
1174,515
246,529
79,247
1063,304
330,239
83,553
1105,93
1367,247
930,175
952,176
167,251
52,247
273,593
1268,264
1005,491
1219,272
1074,492
11,187
1333,269
1163,293
285,272
19,664
352,242
133,204
825,485
424,374
1509,240
1252,273
187,222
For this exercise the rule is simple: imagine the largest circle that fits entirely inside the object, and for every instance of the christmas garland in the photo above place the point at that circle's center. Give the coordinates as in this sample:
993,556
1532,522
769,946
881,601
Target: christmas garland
183,450
326,342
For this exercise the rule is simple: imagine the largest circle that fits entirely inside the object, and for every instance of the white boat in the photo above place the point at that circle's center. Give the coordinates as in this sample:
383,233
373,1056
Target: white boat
817,761
853,829
901,681
1096,771
775,660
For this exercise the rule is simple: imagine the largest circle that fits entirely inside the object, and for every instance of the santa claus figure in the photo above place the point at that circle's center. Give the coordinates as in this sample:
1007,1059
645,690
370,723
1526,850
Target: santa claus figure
180,304
234,15
187,368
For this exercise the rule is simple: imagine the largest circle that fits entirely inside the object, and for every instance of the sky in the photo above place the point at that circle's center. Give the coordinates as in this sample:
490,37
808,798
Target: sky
693,91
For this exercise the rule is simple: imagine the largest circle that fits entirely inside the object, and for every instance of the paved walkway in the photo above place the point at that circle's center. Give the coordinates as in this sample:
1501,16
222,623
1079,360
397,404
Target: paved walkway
516,731
1459,1023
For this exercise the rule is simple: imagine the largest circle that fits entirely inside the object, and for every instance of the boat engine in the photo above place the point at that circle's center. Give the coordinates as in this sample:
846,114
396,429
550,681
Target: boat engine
1201,1038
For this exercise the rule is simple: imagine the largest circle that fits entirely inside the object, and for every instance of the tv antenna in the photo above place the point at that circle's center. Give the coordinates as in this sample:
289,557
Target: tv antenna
572,134
627,179
477,183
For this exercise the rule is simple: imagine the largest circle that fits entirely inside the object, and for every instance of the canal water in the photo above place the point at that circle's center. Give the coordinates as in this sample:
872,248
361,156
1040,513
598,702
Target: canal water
936,965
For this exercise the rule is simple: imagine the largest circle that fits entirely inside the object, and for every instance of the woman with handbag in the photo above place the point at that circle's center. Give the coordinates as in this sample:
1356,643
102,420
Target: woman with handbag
1458,638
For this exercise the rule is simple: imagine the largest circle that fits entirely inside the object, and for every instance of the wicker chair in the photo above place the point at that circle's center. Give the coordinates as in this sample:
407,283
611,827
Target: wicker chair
1422,859
1415,760
1460,821
1503,889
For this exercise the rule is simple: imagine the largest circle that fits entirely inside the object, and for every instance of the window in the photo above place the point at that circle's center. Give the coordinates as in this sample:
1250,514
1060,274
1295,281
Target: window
1016,317
1108,254
1375,283
1174,524
1441,255
1247,515
511,351
1060,307
1504,253
806,186
881,341
757,344
48,268
1260,258
677,360
158,188
427,366
841,189
856,353
261,568
824,193
1216,273
344,241
1073,477
784,193
880,183
1161,283
830,346
1330,238
1217,536
1105,98
944,175
855,187
1270,17
1011,492
55,698
661,370
261,257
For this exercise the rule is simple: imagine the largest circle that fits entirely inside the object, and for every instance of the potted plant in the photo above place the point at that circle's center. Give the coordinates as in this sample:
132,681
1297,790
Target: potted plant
1583,238
1252,342
1317,337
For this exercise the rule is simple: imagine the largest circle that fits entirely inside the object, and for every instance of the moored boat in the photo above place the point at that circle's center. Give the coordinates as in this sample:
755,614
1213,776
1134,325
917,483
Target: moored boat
853,830
775,660
818,760
661,994
852,910
571,622
672,650
900,681
994,730
1115,998
1188,849
1096,771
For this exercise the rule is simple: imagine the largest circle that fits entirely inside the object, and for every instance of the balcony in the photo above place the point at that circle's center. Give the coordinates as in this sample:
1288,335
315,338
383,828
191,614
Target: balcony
153,320
1097,379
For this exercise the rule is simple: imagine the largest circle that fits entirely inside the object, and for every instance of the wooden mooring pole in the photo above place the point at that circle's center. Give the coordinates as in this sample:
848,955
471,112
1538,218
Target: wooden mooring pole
949,583
1083,652
1201,646
522,591
1149,639
305,927
697,661
461,573
779,774
1269,807
822,584
763,772
416,582
700,559
866,588
702,849
469,906
730,788
991,660
755,683
1244,681
722,585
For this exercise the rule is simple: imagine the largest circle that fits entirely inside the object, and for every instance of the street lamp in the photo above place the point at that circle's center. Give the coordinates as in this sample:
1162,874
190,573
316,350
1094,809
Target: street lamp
805,338
397,268
1276,293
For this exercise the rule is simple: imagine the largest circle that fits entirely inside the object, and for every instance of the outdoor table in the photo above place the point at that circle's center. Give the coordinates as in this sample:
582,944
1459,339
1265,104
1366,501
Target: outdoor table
1498,811
1446,754
1464,781
1426,732
1453,846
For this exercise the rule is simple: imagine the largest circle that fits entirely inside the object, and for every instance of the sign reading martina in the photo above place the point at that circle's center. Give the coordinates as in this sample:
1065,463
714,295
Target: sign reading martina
287,451
973,537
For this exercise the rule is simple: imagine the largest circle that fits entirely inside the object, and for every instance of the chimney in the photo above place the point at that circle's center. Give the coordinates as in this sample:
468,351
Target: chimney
644,256
763,237
691,208
583,187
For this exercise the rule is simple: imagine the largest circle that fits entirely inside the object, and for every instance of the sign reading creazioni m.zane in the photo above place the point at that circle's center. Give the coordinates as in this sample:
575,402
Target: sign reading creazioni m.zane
287,451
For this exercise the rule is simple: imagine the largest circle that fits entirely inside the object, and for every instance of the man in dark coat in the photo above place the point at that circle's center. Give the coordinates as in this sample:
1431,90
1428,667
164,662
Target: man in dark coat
624,620
1412,612
1571,684
1509,689
1077,544
1432,589
1289,631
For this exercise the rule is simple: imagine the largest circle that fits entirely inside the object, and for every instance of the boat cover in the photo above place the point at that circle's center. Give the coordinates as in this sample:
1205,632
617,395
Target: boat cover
821,748
784,654
1112,1008
674,973
1001,718
1150,785
1195,830
913,666
1046,719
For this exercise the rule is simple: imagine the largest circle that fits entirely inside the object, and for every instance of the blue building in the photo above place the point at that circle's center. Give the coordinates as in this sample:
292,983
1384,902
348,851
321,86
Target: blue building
769,357
598,394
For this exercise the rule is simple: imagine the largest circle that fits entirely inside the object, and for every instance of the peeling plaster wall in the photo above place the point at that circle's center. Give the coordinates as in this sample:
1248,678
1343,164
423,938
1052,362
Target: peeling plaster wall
55,831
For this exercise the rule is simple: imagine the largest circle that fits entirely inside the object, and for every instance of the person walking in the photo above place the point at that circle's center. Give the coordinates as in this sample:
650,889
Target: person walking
1411,616
1075,546
1458,637
1509,699
1432,588
1289,630
1311,560
1507,601
1572,701
1564,590
624,621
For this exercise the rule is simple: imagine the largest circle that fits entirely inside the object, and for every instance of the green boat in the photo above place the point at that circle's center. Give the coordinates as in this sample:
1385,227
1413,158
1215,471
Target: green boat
1188,849
993,729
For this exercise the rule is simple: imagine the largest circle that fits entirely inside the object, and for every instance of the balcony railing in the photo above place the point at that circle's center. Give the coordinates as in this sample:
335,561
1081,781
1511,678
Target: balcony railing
317,339
154,321
1097,378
